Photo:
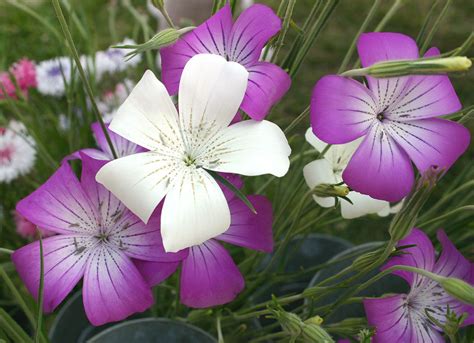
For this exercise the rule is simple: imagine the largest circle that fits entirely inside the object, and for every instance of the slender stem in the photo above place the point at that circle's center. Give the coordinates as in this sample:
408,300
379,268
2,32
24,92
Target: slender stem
6,251
297,120
362,28
390,13
284,31
75,55
427,20
435,27
449,214
39,325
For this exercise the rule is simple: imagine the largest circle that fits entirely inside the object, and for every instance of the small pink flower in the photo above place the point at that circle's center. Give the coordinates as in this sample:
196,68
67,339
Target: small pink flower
27,229
7,88
24,72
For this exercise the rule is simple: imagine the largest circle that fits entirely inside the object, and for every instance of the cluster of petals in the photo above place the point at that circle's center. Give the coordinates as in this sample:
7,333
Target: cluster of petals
17,151
97,238
22,74
407,317
241,42
182,148
395,117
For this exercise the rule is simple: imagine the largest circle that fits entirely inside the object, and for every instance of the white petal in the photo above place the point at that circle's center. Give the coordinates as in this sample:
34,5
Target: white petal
311,138
140,181
385,211
148,117
319,172
210,92
248,148
194,211
362,205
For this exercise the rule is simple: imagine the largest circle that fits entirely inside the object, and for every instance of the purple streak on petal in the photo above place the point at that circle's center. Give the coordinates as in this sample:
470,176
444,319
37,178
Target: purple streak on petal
143,241
390,318
384,46
93,153
211,37
380,168
156,272
267,85
251,31
122,146
60,205
341,109
253,231
422,255
64,266
425,97
209,276
113,287
451,263
431,142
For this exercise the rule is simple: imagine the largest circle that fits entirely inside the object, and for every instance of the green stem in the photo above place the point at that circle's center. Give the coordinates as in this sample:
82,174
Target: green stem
434,28
6,251
284,31
75,55
390,13
426,22
13,330
362,29
39,324
297,120
449,214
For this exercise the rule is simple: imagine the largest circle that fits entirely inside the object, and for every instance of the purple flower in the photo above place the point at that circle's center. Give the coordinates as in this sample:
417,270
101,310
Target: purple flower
97,237
209,276
123,147
240,42
402,317
396,117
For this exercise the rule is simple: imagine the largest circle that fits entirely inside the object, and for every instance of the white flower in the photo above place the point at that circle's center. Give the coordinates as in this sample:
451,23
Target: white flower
182,149
329,171
17,152
51,75
113,60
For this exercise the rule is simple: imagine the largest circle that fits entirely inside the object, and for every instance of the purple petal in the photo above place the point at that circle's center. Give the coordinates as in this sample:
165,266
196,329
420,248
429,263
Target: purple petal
156,272
393,321
113,287
93,153
60,205
211,37
251,31
209,276
253,231
341,109
425,97
451,263
122,146
267,85
431,142
384,46
64,263
379,168
376,47
234,179
422,255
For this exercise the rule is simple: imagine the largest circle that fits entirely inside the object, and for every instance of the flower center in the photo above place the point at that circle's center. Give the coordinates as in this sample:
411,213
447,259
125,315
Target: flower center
380,116
189,160
6,155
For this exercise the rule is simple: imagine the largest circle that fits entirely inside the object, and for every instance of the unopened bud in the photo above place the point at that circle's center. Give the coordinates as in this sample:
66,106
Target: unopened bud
314,320
422,66
459,289
325,190
315,333
369,260
158,4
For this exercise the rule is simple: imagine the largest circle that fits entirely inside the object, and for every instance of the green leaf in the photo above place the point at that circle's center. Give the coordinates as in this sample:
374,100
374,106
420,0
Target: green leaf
234,189
12,329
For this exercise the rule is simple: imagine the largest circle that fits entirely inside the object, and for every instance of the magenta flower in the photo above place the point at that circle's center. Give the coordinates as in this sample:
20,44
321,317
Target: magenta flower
122,146
396,117
24,72
402,317
240,42
7,87
209,276
97,237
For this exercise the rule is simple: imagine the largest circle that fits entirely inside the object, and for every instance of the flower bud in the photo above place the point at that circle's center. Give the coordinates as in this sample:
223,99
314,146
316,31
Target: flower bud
315,333
159,4
314,320
422,66
369,260
325,190
459,289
